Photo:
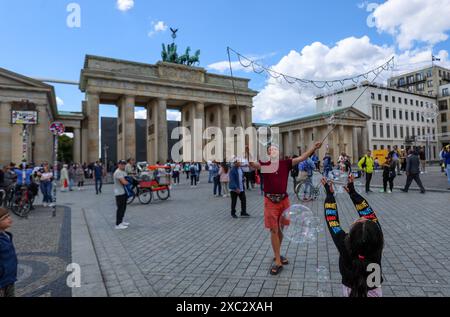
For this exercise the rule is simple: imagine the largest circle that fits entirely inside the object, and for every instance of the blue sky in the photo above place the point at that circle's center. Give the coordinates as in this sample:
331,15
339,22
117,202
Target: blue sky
38,43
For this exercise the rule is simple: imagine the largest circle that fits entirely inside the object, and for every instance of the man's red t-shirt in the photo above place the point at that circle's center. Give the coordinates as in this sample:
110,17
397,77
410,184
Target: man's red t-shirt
276,183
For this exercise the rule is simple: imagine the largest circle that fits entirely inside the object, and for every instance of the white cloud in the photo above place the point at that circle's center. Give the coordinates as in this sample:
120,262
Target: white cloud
125,5
59,101
140,114
411,21
350,56
173,115
159,26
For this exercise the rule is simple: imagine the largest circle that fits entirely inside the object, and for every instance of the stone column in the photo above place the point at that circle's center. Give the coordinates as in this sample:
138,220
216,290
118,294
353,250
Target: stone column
126,135
355,145
43,138
5,133
77,145
364,138
197,132
341,139
302,140
289,151
92,108
162,142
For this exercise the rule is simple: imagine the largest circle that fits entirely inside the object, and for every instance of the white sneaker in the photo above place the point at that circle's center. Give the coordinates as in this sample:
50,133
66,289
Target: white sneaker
121,227
126,224
51,205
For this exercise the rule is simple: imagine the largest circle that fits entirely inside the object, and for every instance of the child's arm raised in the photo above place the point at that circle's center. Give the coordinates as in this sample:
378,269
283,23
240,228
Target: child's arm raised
332,216
361,205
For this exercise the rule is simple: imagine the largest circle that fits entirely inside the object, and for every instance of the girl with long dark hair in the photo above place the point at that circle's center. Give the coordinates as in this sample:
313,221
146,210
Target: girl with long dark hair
360,250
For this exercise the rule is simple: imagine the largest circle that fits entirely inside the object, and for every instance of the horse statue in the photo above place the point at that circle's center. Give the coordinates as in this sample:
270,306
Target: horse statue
183,59
194,59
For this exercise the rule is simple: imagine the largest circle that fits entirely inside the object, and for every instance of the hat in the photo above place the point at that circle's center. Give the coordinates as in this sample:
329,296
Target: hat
3,213
122,162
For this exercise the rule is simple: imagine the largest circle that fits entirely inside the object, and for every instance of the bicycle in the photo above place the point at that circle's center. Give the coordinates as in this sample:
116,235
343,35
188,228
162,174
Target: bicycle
315,191
22,201
143,194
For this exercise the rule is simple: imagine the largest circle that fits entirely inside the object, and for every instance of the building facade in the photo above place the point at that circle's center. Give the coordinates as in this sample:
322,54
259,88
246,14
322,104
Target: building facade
397,117
444,115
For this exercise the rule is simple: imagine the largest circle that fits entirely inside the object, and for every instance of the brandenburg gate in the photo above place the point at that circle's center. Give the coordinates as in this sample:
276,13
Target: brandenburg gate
193,91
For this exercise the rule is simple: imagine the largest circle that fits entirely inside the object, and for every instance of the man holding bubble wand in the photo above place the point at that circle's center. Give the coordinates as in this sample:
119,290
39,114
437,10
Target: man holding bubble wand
276,200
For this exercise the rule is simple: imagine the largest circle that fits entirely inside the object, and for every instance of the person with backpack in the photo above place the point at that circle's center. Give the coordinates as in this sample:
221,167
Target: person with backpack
294,172
366,164
193,170
395,156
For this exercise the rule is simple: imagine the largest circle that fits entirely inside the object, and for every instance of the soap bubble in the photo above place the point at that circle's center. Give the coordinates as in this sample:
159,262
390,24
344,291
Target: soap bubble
299,225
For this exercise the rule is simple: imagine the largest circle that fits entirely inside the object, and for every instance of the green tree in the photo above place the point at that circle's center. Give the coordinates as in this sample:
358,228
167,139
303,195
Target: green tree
65,149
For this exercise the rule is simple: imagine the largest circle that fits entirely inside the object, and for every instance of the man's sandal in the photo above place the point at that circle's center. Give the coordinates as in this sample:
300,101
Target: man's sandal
275,270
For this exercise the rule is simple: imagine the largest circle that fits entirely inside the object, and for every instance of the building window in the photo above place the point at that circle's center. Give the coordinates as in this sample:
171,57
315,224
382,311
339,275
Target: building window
429,83
388,131
444,129
429,73
395,132
410,79
393,99
399,100
411,102
386,98
406,101
423,131
406,115
400,115
443,105
401,81
411,88
419,77
418,131
417,103
381,131
421,104
412,116
420,87
339,104
434,134
413,131
372,96
375,148
401,132
443,117
374,130
423,119
417,117
379,97
394,114
381,147
407,131
445,92
387,113
430,93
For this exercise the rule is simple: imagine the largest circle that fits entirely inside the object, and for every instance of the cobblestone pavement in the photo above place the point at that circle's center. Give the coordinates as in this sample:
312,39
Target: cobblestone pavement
190,246
43,247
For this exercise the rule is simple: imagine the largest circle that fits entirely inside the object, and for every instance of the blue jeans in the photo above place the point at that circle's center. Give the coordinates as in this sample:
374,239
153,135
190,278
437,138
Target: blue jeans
210,178
308,186
46,189
217,186
98,185
448,174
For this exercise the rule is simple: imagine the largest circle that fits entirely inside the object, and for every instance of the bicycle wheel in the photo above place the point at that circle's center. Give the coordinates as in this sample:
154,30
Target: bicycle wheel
299,190
145,196
163,194
131,199
21,208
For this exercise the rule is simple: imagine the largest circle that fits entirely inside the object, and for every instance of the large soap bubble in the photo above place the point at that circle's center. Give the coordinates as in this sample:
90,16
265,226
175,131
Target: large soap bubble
299,225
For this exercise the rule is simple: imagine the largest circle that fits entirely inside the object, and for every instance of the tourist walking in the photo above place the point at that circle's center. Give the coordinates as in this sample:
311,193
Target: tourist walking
423,160
176,174
276,201
237,189
388,175
193,172
45,183
98,177
366,164
413,171
79,176
395,156
224,174
71,176
64,178
217,187
120,181
446,159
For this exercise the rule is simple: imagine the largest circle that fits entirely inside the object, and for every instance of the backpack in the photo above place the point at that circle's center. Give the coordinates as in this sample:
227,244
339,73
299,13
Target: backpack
294,171
364,165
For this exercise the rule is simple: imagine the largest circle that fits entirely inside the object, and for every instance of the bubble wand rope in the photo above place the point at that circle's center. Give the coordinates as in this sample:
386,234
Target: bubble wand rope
354,102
